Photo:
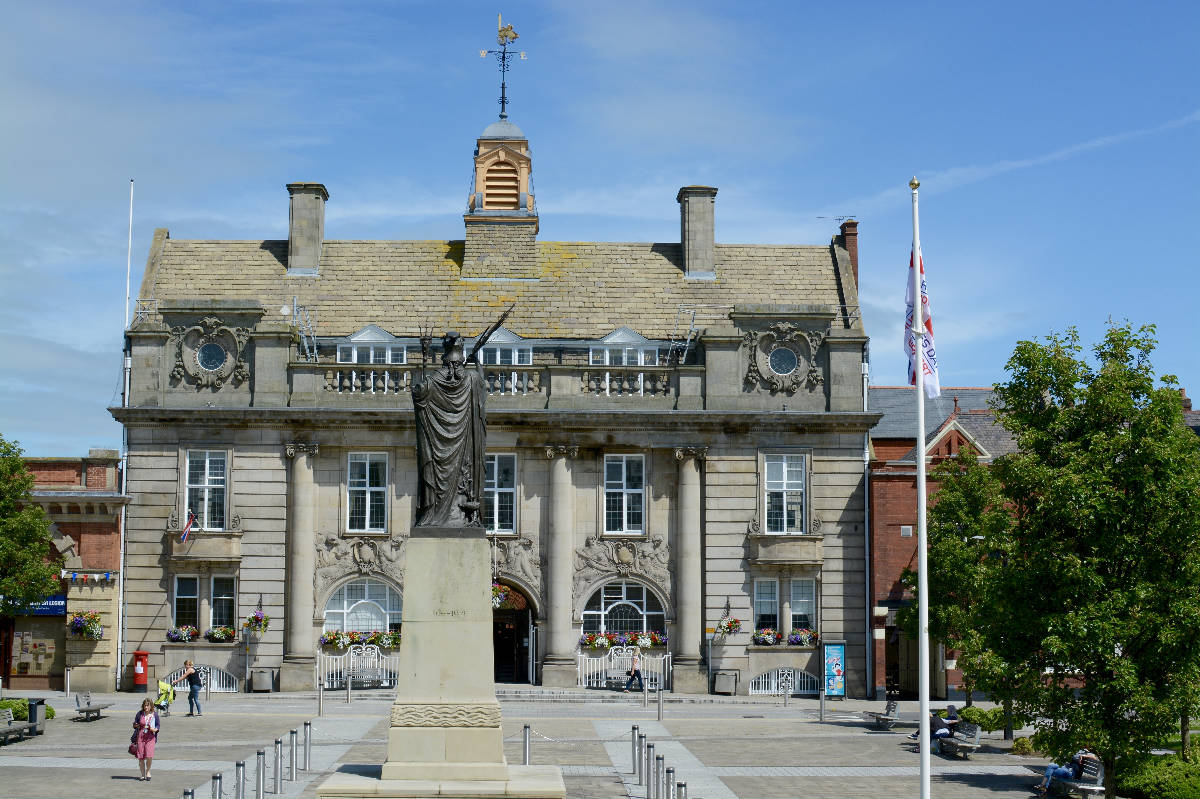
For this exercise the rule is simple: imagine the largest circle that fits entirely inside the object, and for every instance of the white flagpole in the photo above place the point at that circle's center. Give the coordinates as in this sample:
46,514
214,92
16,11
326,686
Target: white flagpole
922,559
128,252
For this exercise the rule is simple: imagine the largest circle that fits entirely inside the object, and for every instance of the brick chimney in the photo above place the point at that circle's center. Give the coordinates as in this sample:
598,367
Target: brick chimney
1187,401
306,227
850,240
696,231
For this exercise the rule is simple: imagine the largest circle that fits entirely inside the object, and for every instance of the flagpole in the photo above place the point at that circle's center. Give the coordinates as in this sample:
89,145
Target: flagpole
918,329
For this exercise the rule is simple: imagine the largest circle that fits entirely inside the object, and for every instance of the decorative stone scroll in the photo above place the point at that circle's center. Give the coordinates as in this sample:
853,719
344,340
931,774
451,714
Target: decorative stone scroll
293,450
561,451
445,715
233,525
210,354
519,558
802,345
646,559
699,453
339,557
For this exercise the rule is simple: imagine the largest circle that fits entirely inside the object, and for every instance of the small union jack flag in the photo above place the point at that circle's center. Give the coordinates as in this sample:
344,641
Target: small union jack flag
187,528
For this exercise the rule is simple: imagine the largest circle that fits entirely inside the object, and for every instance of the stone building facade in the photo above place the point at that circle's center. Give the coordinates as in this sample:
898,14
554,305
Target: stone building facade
676,435
83,500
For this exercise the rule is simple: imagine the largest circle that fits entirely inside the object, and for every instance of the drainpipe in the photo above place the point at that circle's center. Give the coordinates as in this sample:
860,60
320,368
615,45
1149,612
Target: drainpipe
127,365
870,632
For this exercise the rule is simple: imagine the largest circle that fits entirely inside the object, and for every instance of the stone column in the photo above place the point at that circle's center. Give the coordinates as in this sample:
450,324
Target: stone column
689,570
296,673
558,669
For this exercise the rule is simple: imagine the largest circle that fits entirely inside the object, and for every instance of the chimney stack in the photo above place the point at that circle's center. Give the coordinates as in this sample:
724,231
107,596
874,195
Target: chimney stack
850,239
696,231
306,227
1187,401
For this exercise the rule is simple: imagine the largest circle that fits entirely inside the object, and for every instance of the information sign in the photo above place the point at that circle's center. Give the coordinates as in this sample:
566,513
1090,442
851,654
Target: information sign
835,670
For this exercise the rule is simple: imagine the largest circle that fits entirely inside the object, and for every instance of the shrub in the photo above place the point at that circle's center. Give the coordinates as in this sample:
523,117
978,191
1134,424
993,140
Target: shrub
1160,778
1022,746
20,709
989,720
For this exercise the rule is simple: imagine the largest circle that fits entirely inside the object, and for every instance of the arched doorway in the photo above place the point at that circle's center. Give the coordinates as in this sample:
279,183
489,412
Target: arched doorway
512,634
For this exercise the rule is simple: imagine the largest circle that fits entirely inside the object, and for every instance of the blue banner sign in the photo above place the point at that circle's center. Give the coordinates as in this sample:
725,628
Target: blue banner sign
55,605
835,669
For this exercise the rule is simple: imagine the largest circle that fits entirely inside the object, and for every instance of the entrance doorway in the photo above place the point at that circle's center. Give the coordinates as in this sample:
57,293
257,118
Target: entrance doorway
511,636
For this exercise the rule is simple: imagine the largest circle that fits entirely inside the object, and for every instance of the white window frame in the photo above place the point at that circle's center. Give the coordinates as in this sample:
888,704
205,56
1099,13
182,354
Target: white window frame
492,493
758,605
368,490
625,493
618,355
205,488
212,599
376,354
615,593
798,600
176,596
501,355
786,487
392,604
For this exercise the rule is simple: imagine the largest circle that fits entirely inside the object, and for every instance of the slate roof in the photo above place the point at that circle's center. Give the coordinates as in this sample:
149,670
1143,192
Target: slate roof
583,289
899,409
1192,420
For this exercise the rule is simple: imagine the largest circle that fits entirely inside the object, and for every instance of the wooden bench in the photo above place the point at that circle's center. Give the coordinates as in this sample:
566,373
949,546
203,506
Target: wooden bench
10,727
886,719
963,741
1091,782
86,708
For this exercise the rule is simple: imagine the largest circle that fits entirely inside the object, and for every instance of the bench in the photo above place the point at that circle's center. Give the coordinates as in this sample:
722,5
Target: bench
1091,782
963,741
886,719
10,727
86,708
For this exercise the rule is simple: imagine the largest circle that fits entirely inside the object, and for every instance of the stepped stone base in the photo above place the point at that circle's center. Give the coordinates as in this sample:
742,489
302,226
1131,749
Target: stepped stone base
521,782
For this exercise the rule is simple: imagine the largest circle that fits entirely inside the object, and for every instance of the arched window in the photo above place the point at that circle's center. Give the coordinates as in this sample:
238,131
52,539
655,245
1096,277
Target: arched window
365,605
624,607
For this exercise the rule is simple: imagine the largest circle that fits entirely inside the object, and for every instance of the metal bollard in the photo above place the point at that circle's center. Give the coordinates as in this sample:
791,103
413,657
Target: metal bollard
260,779
650,775
660,701
681,790
292,759
307,745
216,786
525,746
645,696
670,784
278,777
633,752
189,793
349,683
239,780
658,775
640,760
67,681
822,704
320,698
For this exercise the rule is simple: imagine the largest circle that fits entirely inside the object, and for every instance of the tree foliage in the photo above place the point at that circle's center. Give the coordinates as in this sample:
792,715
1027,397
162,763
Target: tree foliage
29,563
1081,600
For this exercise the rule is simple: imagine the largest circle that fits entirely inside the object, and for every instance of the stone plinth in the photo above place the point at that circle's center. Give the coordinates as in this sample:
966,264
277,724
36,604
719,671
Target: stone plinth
445,737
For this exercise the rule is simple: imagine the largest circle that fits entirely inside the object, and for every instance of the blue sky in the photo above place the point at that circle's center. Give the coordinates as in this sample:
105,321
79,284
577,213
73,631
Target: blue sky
1056,144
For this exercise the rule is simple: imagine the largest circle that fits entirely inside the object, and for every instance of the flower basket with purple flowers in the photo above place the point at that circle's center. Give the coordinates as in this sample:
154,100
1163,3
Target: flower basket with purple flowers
86,624
767,637
257,622
183,634
802,636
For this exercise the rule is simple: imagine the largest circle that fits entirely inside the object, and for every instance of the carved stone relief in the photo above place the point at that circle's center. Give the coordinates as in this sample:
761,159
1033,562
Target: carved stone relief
210,353
339,557
232,525
802,345
518,558
647,560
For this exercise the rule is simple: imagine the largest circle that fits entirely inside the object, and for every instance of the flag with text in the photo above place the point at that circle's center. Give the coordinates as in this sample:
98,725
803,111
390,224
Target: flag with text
928,352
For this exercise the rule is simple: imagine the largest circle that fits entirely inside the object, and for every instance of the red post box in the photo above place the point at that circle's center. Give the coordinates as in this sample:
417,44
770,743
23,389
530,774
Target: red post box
141,670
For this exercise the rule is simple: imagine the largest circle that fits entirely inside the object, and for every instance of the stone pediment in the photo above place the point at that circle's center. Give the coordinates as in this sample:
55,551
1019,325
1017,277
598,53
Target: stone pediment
625,335
371,334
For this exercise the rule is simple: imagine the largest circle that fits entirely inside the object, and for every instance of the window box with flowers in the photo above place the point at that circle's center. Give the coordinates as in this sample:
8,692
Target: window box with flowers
604,641
85,624
343,639
257,622
182,634
220,635
766,636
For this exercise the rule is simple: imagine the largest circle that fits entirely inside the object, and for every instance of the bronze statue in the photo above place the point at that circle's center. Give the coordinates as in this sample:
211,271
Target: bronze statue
451,429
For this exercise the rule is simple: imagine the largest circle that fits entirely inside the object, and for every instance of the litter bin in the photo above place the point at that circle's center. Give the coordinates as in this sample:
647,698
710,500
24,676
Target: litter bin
37,715
261,680
141,670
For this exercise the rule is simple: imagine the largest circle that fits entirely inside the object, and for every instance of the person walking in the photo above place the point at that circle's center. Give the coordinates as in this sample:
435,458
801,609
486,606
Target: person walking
635,671
194,685
145,735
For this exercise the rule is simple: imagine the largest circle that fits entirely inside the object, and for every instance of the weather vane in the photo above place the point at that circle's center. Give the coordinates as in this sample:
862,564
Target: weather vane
504,35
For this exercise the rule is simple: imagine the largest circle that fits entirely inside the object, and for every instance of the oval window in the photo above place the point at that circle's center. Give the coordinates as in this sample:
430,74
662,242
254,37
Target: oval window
783,361
211,356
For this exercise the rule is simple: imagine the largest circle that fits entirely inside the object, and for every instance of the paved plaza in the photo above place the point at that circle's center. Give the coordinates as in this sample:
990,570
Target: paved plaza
723,748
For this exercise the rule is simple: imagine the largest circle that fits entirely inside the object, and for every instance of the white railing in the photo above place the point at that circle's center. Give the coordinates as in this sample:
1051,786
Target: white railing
607,669
628,382
772,682
377,379
216,679
365,665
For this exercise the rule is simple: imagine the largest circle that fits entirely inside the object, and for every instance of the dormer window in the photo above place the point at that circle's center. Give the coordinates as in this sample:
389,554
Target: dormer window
371,354
506,356
624,356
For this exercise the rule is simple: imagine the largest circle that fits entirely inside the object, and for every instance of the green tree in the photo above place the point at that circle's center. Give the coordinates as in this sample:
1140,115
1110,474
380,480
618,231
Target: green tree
29,563
1092,585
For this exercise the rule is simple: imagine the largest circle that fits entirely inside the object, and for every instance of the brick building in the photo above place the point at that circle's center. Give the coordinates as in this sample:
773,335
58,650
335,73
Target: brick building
676,434
83,500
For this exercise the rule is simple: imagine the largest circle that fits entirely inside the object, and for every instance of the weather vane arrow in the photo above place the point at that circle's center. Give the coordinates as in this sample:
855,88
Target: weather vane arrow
505,35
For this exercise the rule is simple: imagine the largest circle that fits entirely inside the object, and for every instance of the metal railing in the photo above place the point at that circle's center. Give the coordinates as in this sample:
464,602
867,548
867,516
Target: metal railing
364,665
216,679
772,682
603,671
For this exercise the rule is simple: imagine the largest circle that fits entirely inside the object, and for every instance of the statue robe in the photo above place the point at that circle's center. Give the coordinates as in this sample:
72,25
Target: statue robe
451,428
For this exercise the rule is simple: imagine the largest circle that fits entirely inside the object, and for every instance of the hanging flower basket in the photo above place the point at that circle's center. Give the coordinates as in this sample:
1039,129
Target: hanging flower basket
183,634
257,622
220,635
343,639
85,624
729,626
507,598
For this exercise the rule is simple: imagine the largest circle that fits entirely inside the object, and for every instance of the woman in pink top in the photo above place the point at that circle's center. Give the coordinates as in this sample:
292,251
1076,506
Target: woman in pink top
145,726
